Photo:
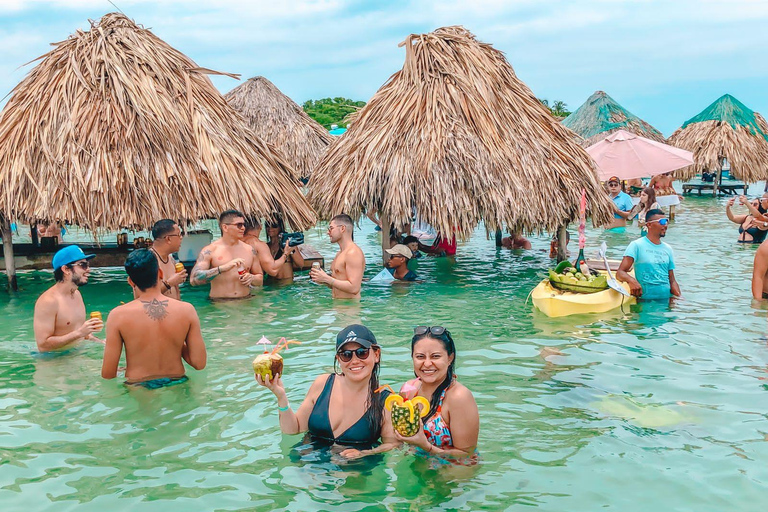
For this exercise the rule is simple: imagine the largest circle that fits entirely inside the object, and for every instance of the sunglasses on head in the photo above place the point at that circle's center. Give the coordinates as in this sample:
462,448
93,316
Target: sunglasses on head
435,329
662,222
362,354
83,265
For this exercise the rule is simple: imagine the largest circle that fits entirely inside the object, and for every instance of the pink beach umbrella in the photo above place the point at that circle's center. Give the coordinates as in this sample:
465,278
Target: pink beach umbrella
628,156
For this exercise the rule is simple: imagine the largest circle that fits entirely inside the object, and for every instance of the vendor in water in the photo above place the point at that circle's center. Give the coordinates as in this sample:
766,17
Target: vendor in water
753,225
342,408
397,266
158,332
452,426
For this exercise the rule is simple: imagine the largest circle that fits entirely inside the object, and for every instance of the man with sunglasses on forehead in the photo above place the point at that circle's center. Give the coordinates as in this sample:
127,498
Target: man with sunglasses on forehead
349,264
166,240
653,260
229,264
59,318
622,203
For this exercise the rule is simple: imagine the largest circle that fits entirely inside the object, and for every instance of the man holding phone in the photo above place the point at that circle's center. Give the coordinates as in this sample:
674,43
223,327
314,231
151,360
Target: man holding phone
653,261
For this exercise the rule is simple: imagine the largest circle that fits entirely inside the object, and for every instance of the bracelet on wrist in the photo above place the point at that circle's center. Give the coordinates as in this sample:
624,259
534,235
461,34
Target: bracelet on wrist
283,409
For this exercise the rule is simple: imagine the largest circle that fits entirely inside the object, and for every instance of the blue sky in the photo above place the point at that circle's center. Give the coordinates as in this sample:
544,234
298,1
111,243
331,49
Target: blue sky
663,60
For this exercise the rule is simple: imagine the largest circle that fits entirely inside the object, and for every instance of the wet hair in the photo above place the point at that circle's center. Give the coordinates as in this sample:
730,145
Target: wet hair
449,347
162,228
58,275
410,239
141,266
229,215
653,213
375,401
651,193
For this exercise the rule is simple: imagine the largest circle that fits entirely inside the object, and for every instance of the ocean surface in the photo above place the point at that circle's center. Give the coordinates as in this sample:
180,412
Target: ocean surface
655,407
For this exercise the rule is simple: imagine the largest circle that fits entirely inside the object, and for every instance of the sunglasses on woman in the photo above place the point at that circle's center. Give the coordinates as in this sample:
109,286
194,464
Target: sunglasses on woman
437,330
362,354
662,222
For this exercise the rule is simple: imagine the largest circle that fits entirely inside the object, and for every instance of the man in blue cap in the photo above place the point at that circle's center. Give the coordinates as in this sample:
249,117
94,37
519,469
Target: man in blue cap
60,312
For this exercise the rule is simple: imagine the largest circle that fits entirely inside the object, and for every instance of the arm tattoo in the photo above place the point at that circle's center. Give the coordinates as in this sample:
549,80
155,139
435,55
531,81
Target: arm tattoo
155,309
204,276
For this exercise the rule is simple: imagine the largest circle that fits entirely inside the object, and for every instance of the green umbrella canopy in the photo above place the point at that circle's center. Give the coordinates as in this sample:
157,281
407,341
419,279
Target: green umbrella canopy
601,115
726,129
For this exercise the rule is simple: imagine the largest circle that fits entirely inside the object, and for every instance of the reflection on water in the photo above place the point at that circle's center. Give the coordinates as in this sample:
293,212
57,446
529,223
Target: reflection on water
656,406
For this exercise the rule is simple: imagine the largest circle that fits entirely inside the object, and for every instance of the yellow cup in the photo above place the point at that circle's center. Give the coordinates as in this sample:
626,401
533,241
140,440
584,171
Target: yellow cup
96,314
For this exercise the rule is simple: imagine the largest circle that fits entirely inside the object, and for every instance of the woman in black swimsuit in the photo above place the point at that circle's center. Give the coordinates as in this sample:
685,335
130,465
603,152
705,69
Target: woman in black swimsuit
753,226
342,408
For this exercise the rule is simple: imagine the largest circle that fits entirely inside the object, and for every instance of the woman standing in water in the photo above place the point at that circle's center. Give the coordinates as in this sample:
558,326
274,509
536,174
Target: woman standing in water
452,426
647,202
342,408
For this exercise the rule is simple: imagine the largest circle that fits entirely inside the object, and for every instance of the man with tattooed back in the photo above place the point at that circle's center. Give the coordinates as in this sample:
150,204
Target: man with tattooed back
229,264
158,332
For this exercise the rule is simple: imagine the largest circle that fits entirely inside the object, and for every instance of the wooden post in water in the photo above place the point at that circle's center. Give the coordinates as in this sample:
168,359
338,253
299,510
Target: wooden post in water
384,237
671,212
562,243
498,238
10,264
35,236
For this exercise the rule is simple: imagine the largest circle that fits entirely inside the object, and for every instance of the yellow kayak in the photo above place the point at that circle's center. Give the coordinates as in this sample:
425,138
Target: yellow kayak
553,302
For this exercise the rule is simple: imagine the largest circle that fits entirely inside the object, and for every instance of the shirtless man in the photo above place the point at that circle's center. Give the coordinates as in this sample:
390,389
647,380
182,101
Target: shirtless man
167,237
59,318
157,331
760,273
229,264
279,268
349,264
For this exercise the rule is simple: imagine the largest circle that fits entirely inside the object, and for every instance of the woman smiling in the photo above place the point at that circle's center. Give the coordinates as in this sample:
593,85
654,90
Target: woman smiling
452,426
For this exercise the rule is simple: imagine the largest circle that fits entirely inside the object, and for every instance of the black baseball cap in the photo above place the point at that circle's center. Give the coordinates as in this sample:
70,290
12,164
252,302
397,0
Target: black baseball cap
356,333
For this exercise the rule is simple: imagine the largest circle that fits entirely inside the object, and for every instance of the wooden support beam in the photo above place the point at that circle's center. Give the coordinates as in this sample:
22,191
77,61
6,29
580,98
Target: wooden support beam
385,234
562,243
10,264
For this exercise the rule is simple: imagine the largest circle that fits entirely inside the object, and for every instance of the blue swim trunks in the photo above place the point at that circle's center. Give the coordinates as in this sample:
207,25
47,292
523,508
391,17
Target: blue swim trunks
162,382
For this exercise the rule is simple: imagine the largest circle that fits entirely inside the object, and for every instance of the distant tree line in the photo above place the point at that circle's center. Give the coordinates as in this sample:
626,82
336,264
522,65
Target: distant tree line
558,108
328,111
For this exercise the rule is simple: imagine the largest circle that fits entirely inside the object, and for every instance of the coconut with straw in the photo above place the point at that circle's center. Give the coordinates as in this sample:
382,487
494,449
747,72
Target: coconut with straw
725,130
278,120
457,138
601,115
115,128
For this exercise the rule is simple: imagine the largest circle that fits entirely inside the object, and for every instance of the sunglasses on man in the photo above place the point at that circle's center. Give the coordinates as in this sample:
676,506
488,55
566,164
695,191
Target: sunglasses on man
662,222
361,353
238,225
82,264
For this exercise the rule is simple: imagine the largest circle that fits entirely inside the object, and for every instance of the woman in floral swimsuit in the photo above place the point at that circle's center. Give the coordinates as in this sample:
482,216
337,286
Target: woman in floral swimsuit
452,426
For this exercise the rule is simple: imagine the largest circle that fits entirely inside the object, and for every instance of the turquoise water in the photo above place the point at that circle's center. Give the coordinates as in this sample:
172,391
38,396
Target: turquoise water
654,408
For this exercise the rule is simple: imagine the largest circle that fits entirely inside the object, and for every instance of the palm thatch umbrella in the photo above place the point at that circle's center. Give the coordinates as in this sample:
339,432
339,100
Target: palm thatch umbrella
277,119
458,137
601,115
115,128
725,130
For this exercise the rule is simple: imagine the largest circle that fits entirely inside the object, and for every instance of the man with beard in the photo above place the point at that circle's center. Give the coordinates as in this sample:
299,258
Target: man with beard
229,264
653,261
167,238
59,318
158,333
349,264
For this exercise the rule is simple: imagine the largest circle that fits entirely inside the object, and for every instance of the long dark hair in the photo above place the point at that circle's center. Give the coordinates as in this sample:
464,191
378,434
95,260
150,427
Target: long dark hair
375,401
450,347
651,197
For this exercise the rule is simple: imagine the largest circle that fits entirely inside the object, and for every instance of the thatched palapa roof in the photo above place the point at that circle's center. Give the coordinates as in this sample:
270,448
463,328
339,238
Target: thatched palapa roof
725,129
458,136
114,128
601,115
277,119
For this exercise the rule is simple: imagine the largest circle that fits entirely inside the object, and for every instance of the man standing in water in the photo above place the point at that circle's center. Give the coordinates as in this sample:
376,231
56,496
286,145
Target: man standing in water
760,273
622,202
157,331
167,238
59,318
349,264
229,264
653,260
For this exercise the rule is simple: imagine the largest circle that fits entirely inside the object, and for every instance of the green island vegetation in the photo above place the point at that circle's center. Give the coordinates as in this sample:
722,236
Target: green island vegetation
558,108
328,111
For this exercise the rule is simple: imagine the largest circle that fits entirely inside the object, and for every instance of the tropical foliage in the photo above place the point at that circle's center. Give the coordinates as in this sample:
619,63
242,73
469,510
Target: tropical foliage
328,111
558,108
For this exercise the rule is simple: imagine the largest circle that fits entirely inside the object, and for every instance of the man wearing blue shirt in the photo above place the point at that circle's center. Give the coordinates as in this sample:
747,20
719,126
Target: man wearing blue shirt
653,261
622,202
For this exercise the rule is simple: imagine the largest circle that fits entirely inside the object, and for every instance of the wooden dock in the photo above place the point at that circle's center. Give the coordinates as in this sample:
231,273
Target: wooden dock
722,189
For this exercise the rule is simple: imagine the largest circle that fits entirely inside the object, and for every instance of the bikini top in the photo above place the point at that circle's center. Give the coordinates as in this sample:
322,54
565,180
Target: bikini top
436,429
358,435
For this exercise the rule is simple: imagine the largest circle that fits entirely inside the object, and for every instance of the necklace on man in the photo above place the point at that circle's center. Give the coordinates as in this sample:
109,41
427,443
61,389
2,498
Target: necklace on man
164,262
